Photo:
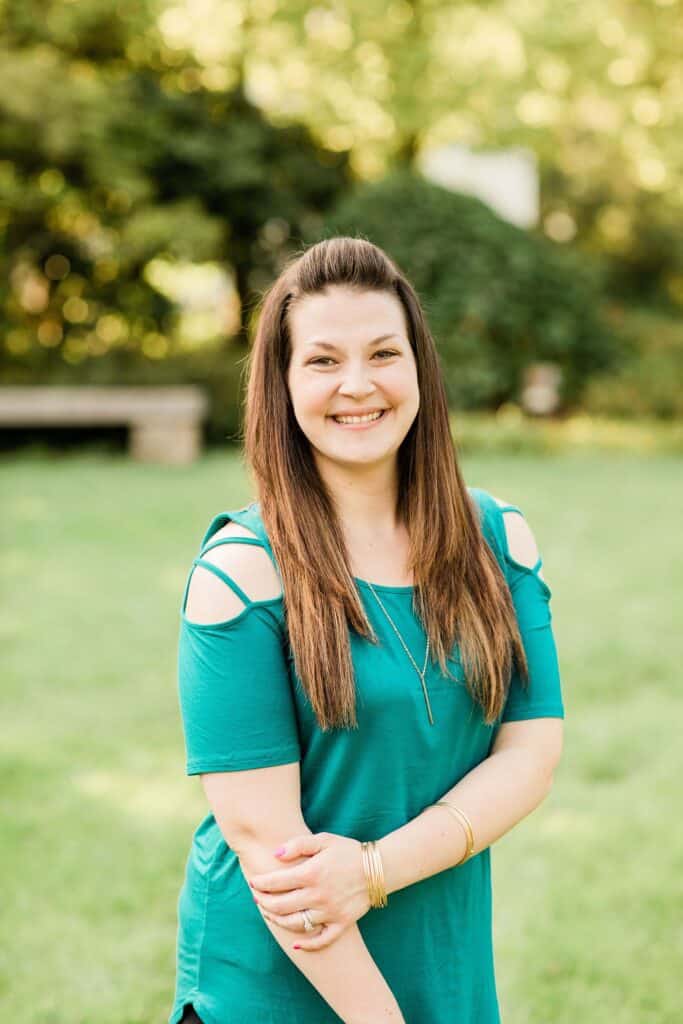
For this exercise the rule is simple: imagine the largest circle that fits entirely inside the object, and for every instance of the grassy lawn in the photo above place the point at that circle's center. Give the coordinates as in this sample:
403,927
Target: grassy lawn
97,813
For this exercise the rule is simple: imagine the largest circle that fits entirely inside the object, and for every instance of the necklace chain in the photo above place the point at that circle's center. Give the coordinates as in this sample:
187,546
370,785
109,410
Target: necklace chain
405,648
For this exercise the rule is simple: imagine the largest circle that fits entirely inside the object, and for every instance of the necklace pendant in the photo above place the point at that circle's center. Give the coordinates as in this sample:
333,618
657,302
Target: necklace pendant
421,674
429,706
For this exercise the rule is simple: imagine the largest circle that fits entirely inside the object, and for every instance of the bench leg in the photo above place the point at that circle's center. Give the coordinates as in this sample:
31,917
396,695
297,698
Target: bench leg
174,442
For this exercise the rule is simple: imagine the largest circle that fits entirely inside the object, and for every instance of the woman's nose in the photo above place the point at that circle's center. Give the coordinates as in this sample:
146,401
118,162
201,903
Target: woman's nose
357,380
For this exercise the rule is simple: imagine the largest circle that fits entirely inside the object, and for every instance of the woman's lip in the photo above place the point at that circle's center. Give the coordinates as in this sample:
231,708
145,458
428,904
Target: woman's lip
359,426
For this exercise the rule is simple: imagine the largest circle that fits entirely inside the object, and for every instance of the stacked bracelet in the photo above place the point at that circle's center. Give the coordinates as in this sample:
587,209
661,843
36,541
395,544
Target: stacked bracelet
466,824
374,874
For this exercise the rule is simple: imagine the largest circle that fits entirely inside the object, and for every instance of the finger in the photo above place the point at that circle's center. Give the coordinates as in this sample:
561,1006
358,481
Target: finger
286,903
304,845
327,936
293,922
283,880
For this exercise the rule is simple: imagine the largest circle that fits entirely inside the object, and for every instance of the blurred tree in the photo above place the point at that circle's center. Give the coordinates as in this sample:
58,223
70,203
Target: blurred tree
594,90
261,184
109,163
139,131
648,381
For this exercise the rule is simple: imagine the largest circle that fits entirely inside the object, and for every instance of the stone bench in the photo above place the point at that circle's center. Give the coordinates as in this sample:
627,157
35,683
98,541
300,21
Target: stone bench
165,423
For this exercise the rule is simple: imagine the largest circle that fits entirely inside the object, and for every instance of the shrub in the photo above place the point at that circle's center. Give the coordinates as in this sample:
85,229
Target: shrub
649,381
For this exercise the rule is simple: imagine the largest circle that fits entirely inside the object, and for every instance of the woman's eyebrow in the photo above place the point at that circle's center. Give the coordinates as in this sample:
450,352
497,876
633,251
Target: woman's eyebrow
331,345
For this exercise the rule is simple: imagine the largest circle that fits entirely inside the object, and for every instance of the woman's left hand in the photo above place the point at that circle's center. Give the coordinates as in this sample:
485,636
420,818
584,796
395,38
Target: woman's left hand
330,884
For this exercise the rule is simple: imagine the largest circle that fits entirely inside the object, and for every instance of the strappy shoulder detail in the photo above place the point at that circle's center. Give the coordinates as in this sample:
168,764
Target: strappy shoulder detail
508,508
244,517
250,517
517,565
493,525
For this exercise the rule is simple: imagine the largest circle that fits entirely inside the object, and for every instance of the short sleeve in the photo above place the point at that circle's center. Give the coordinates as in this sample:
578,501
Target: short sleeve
542,696
236,699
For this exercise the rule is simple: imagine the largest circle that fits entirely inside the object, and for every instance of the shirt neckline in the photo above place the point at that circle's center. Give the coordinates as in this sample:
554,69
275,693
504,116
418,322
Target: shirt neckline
384,586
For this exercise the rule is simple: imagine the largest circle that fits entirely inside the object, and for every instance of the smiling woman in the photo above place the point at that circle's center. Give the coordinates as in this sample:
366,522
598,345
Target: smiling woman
369,640
363,383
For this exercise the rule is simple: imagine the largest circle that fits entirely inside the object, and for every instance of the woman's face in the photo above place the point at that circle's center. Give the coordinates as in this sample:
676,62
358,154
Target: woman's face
351,355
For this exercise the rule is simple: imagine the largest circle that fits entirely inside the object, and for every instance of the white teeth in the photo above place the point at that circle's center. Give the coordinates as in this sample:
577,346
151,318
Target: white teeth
359,419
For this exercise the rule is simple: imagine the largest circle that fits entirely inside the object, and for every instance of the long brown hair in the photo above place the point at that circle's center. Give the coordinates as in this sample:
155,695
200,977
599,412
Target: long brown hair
460,593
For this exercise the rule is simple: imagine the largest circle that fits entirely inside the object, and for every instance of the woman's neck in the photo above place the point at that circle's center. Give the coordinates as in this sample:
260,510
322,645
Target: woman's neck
365,501
377,543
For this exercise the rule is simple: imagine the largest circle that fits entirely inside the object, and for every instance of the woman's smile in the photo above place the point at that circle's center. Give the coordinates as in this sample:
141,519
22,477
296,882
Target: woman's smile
360,424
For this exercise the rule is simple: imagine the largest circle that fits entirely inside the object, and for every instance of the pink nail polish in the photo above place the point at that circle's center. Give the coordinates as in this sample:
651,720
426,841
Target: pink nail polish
255,900
297,947
279,851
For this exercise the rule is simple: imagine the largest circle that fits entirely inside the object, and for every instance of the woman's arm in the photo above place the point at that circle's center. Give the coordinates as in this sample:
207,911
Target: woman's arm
495,795
256,811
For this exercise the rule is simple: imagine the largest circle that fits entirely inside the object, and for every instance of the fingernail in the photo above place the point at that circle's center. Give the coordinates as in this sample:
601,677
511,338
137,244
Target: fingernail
255,900
297,947
280,851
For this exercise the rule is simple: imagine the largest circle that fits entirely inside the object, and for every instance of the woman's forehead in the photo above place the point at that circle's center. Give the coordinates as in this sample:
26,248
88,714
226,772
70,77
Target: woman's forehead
341,315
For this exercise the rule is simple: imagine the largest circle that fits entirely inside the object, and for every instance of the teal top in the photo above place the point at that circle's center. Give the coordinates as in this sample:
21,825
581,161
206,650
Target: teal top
243,706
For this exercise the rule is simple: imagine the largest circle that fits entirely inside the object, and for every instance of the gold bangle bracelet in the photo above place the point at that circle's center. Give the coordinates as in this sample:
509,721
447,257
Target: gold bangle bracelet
374,874
368,873
382,887
467,826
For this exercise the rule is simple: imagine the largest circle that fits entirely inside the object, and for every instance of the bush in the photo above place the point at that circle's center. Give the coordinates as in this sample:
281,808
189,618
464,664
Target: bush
509,432
649,381
497,297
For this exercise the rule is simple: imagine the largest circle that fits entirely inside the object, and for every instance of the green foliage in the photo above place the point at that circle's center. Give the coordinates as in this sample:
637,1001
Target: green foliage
107,166
592,90
510,432
126,136
650,382
497,298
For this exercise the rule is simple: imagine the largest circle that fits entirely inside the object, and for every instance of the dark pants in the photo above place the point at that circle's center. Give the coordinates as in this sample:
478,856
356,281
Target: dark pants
190,1017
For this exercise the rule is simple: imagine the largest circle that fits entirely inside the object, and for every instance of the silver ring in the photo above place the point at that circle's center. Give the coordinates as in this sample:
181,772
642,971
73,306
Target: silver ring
308,924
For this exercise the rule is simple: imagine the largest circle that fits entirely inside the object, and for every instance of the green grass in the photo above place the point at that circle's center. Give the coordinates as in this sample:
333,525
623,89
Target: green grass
97,813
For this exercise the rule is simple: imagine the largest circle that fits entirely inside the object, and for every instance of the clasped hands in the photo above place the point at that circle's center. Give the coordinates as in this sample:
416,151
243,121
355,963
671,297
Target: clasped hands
330,885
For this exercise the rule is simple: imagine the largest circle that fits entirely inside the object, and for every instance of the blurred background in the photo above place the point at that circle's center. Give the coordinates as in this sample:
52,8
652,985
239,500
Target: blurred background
522,161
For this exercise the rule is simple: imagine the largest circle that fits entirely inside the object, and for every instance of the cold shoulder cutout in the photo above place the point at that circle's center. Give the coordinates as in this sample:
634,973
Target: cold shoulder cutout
531,596
234,687
229,563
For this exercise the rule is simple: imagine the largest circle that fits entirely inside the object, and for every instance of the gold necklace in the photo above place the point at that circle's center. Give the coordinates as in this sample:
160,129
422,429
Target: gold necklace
405,648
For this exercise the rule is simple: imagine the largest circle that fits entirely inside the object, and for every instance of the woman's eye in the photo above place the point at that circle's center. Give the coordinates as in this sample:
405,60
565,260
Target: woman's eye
323,359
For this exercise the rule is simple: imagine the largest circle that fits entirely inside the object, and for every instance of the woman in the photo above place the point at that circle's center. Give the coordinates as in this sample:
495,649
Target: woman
369,638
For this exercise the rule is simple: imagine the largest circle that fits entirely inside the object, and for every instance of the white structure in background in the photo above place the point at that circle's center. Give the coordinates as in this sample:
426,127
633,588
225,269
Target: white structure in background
506,179
540,388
